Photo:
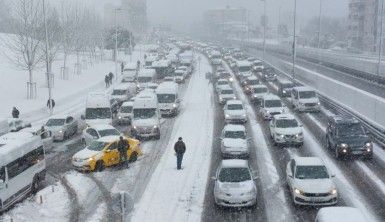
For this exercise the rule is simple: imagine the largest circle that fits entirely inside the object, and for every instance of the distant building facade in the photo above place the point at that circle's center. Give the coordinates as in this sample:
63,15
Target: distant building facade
364,24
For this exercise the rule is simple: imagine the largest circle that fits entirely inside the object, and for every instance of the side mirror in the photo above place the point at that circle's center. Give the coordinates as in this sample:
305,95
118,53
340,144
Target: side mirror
291,176
255,177
214,178
28,125
333,175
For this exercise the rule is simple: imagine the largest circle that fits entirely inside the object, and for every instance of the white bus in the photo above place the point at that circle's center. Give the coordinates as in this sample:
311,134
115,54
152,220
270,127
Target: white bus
22,167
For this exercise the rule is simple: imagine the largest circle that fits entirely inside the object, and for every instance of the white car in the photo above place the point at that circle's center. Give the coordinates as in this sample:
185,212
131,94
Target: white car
305,99
234,184
152,86
168,79
225,94
235,112
96,132
234,142
285,130
220,84
338,214
62,127
125,112
179,76
257,92
121,92
310,182
271,105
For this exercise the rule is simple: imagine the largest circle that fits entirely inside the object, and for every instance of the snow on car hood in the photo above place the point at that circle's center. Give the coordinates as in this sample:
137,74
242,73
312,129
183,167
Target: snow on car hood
314,186
310,100
235,112
145,122
236,188
274,109
54,128
85,154
289,131
92,122
227,96
234,143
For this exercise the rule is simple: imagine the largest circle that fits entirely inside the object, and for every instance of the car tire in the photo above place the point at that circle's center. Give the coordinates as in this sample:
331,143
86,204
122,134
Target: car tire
133,157
337,154
157,137
83,142
99,166
65,137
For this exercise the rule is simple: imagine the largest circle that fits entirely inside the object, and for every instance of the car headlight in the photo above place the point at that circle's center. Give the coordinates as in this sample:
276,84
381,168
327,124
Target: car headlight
333,191
298,191
155,126
227,115
174,105
280,135
344,145
284,91
318,103
60,131
91,159
299,135
368,144
135,127
255,96
234,97
231,79
119,117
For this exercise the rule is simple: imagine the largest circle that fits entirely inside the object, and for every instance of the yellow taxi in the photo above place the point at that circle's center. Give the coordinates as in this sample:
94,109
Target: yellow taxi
103,153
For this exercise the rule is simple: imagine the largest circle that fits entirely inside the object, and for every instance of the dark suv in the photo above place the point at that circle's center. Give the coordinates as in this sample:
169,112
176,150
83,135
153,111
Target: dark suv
346,136
268,74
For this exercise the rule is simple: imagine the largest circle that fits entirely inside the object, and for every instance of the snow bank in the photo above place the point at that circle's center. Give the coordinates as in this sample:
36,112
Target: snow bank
174,195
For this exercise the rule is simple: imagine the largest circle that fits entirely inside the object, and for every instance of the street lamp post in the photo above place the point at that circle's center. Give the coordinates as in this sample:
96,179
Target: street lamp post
380,45
264,27
319,24
294,39
116,44
47,60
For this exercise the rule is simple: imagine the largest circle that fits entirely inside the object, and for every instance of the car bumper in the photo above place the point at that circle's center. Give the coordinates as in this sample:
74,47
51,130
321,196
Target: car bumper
315,108
316,201
289,141
269,116
145,133
168,112
235,119
235,202
58,136
81,165
124,119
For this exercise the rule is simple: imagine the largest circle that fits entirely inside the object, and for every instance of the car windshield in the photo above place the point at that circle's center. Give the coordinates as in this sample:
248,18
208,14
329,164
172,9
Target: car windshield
235,135
109,132
143,79
222,82
98,113
350,130
273,103
97,146
166,98
307,94
227,91
244,68
55,122
225,75
258,63
260,90
119,92
253,82
286,123
234,107
311,172
234,175
287,85
126,109
144,113
179,74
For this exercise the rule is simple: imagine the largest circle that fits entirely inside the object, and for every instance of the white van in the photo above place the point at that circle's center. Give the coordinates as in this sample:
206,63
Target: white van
168,98
145,76
146,116
121,92
129,72
243,68
22,167
305,99
98,109
339,214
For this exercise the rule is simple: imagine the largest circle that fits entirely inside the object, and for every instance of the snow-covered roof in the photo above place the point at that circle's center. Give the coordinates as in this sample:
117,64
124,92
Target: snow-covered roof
161,63
284,80
234,127
147,72
338,214
59,116
98,127
223,80
303,88
243,63
234,101
130,65
259,86
271,97
128,103
252,78
179,71
234,163
122,86
167,87
227,87
284,116
109,139
309,161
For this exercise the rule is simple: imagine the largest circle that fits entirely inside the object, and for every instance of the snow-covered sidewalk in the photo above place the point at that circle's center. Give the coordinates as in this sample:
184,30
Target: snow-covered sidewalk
178,195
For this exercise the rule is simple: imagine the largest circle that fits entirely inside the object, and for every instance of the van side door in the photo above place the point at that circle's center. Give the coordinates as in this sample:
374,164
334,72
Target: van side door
3,185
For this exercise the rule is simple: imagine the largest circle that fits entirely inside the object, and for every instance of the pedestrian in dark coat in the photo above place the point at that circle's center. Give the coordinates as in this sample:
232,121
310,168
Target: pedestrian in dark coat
107,81
180,149
49,103
123,146
122,67
15,113
111,76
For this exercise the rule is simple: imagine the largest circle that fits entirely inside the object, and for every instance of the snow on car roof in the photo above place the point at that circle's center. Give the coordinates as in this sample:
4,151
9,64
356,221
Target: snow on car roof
309,161
259,86
227,87
98,127
234,101
234,127
252,78
128,103
243,63
122,86
130,65
235,163
222,80
338,214
109,139
284,116
59,117
271,97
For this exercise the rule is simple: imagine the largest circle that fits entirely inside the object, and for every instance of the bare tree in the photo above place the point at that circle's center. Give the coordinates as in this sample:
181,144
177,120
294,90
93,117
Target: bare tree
24,47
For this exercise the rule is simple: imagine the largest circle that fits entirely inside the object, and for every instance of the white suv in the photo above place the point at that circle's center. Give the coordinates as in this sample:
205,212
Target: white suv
234,142
234,184
220,84
235,112
285,130
310,182
271,105
305,99
257,92
225,94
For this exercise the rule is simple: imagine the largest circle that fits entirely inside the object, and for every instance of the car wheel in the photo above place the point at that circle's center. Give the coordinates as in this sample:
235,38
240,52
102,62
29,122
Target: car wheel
157,137
99,167
83,142
337,154
133,157
65,137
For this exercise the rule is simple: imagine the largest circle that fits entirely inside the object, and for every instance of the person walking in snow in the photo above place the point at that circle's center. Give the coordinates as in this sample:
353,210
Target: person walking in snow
111,76
123,146
50,102
122,67
107,81
180,149
15,113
